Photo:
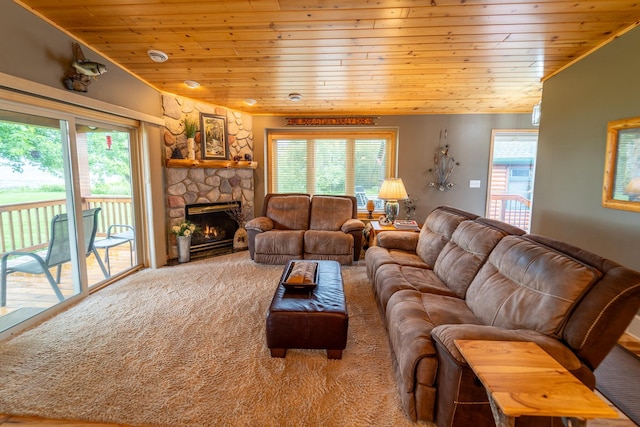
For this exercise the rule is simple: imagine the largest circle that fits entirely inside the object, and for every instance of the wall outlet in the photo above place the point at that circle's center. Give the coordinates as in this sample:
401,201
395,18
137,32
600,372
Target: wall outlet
474,183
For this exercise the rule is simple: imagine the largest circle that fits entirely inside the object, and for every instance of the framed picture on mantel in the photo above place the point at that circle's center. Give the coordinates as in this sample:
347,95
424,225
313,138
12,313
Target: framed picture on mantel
214,137
621,189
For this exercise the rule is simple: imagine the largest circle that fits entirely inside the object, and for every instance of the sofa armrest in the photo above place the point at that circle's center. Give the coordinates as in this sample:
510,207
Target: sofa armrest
259,224
352,225
402,240
444,335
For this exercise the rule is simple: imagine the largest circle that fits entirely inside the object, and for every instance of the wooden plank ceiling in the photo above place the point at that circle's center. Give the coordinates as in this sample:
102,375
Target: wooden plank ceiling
347,57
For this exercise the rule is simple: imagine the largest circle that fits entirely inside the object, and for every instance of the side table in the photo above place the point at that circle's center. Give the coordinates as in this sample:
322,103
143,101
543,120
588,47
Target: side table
522,379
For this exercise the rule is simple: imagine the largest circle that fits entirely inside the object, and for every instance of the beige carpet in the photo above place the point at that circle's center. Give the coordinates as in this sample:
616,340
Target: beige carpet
185,346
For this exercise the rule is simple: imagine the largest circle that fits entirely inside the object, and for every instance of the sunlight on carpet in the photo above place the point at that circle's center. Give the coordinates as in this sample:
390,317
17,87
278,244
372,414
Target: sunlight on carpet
185,346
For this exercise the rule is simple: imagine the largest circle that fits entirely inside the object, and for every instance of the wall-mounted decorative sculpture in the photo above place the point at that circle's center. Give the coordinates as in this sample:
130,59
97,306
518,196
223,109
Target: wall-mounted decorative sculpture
444,164
79,77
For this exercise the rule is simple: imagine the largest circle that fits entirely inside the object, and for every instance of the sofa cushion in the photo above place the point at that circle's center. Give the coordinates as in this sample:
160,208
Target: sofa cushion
464,254
377,256
330,213
400,240
328,242
410,317
525,285
391,278
289,212
605,311
436,232
280,242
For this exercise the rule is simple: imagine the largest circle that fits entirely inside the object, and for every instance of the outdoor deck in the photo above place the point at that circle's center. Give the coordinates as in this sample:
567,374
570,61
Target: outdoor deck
34,291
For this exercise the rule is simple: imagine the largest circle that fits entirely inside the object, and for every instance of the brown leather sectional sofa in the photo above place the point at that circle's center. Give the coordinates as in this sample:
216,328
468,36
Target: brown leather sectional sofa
298,226
466,277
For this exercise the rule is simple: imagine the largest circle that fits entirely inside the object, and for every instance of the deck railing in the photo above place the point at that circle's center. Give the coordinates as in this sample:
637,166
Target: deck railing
27,226
512,209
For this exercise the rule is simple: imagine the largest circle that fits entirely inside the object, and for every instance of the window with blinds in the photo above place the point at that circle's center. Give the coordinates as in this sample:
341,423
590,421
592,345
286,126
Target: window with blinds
353,162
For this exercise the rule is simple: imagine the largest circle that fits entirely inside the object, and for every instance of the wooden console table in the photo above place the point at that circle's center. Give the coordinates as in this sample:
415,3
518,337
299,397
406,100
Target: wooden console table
522,379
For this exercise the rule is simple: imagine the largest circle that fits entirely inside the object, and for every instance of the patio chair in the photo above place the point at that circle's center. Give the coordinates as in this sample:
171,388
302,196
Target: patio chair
58,253
124,234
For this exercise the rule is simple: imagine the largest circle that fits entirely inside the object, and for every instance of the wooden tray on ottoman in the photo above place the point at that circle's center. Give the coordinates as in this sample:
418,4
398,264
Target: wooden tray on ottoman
317,319
300,276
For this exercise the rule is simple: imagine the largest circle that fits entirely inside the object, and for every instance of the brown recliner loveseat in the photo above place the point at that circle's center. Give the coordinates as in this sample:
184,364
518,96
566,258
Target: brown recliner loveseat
298,226
472,278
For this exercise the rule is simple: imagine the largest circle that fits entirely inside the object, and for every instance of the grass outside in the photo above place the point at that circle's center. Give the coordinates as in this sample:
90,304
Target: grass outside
22,231
7,198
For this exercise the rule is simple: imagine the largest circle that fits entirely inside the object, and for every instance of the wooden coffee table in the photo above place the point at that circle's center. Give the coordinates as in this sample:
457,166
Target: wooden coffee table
522,379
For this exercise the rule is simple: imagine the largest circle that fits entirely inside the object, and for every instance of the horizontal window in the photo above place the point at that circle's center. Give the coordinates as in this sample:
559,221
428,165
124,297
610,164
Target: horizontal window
353,162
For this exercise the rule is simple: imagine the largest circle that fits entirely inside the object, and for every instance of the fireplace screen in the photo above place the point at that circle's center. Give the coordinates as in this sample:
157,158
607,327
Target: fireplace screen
216,226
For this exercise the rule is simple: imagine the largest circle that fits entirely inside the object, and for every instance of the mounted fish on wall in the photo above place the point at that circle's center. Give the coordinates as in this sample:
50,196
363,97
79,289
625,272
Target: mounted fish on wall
79,77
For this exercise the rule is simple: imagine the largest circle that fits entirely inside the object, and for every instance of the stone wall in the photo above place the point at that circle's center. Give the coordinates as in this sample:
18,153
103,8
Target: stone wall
204,185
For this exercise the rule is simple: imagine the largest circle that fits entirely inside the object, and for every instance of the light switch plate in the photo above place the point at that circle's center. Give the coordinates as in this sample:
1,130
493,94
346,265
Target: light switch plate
474,183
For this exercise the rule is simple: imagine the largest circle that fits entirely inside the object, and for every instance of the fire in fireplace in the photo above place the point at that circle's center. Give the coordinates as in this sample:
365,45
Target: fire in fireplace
216,226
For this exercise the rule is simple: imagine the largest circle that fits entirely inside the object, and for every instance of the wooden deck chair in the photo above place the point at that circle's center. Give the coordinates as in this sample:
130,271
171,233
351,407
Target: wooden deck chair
58,253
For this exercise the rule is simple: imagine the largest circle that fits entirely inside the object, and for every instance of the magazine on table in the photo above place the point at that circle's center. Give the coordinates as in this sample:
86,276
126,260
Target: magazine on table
406,224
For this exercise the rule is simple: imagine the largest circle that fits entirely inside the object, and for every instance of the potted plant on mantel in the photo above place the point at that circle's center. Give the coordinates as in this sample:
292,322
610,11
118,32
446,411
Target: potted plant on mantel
190,129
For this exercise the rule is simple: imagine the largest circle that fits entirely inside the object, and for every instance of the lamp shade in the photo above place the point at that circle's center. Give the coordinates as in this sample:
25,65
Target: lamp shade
392,189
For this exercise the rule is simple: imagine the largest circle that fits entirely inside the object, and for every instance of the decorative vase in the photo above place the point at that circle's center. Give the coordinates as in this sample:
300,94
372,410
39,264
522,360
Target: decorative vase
184,248
191,149
240,239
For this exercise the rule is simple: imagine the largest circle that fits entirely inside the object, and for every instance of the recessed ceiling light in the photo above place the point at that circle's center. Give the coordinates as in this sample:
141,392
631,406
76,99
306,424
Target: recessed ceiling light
250,102
192,84
295,97
157,56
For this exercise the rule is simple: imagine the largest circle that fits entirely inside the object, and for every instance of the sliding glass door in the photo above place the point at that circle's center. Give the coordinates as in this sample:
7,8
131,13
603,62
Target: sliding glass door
37,236
104,172
66,211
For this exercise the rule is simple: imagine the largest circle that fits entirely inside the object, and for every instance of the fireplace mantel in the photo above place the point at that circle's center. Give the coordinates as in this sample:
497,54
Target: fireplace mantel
210,164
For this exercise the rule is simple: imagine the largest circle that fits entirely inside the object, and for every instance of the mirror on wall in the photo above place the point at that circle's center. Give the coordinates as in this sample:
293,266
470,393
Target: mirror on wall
621,189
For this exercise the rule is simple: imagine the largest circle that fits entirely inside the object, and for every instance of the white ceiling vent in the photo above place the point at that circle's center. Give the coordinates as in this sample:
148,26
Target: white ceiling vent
157,55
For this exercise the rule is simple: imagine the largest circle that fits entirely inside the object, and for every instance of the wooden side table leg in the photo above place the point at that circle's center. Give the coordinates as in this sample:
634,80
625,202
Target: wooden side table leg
501,419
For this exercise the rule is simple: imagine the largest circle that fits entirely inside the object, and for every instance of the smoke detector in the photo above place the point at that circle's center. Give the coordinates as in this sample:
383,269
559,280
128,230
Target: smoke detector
157,56
295,97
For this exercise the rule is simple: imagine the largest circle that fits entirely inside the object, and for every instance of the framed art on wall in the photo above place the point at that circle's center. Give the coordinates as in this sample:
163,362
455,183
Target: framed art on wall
621,189
214,137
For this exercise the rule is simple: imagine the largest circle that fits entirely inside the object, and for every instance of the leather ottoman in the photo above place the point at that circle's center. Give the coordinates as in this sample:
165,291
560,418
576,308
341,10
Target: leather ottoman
315,319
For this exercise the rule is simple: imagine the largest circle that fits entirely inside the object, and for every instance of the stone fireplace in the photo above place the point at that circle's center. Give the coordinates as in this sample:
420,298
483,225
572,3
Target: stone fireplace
194,187
217,227
192,183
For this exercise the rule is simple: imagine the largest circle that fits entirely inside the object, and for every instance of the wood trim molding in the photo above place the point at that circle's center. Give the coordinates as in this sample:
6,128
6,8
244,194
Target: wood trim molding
210,164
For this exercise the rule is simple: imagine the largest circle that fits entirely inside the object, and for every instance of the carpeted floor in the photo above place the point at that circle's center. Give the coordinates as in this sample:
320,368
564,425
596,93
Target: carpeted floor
618,379
185,346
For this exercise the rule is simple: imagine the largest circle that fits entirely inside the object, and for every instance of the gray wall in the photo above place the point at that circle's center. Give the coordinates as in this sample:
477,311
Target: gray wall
576,106
35,50
469,139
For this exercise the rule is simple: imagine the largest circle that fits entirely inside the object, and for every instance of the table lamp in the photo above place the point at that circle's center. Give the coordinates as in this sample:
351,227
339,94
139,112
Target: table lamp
391,191
371,206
